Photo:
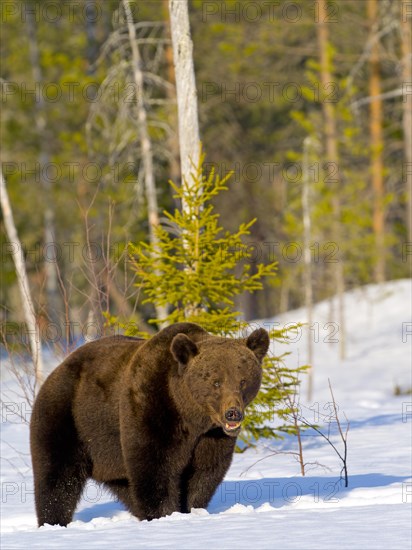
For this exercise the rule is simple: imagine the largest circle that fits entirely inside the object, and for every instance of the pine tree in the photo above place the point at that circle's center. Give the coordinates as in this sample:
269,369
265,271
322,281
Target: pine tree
197,270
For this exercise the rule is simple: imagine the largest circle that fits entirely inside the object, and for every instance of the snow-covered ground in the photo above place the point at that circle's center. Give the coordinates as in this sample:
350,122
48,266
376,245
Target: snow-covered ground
266,503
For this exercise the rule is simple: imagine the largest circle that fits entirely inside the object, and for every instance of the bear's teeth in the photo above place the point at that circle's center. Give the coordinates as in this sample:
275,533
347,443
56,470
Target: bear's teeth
233,426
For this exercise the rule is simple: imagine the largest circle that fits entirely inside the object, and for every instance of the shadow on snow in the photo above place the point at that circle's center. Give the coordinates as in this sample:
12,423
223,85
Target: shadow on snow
277,492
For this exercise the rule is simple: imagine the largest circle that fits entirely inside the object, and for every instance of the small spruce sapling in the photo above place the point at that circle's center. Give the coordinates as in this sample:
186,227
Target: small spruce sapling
196,271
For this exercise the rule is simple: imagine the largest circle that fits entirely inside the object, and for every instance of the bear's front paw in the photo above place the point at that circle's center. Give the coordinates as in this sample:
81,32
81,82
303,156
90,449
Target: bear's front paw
164,509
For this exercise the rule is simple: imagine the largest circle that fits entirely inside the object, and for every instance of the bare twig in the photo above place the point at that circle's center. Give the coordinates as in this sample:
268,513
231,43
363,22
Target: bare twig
298,455
343,436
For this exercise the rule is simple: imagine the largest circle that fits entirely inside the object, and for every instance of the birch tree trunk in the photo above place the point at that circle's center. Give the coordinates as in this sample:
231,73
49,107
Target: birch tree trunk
50,266
331,146
173,139
407,112
185,87
27,303
186,95
375,128
145,142
307,259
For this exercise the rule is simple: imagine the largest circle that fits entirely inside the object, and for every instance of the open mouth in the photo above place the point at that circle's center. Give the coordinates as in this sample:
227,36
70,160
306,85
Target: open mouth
232,428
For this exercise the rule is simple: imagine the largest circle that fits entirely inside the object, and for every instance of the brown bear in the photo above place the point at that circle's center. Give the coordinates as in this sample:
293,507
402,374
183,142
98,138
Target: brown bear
154,420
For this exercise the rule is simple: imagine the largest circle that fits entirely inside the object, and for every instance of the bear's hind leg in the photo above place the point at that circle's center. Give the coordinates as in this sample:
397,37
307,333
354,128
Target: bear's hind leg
60,463
57,494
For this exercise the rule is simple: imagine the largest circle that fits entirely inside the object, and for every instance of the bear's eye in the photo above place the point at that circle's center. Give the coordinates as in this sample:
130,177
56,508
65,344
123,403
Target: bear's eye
242,383
216,384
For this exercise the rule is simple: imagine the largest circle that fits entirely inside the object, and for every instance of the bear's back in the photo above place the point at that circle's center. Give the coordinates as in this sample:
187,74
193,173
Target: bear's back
102,356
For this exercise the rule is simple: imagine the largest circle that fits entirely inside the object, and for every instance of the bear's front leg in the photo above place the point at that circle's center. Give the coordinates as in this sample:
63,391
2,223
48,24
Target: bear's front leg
210,461
151,457
153,485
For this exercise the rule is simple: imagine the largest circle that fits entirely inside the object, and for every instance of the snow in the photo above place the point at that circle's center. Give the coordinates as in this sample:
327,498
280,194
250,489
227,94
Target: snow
264,502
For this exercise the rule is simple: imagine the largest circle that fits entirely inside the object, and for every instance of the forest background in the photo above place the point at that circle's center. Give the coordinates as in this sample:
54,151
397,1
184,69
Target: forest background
291,95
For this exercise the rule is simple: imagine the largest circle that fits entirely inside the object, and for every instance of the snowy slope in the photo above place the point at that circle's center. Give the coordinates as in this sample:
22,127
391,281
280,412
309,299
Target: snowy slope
264,502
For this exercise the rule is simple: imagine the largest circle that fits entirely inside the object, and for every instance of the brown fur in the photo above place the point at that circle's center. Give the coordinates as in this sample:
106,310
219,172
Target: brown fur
146,418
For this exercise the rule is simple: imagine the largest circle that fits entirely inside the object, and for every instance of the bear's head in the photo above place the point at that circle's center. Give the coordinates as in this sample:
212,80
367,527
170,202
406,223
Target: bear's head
221,375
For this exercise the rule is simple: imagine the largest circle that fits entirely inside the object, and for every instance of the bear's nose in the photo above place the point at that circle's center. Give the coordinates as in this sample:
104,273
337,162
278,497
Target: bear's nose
234,415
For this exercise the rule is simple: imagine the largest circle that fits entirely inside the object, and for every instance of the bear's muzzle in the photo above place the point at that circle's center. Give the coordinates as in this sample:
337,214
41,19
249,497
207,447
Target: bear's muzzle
233,421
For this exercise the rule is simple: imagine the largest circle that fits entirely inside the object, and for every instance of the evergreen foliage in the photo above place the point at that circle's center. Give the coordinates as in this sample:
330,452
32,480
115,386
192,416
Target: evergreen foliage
252,90
197,270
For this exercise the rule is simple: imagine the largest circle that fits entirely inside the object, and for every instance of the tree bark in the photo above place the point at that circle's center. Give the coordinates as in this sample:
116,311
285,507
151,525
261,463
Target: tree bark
173,140
27,302
187,109
407,114
331,148
54,306
375,128
186,93
307,259
145,142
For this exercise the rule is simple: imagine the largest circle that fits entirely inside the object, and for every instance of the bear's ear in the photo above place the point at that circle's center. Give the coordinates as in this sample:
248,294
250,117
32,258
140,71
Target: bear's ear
258,342
183,349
